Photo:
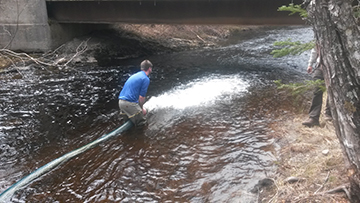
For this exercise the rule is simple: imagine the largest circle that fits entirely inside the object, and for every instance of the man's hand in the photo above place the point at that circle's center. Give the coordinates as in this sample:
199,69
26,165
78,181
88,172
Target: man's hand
141,101
309,69
144,111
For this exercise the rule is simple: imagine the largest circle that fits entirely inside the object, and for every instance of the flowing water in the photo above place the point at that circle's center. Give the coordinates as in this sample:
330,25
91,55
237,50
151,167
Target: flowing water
201,144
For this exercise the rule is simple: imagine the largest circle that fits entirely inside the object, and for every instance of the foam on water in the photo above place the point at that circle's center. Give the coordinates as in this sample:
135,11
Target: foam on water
202,91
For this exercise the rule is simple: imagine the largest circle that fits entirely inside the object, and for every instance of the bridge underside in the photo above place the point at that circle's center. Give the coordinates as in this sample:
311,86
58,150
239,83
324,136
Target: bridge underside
41,25
242,12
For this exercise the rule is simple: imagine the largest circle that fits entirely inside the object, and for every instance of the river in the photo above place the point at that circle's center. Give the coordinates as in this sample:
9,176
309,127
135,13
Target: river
201,145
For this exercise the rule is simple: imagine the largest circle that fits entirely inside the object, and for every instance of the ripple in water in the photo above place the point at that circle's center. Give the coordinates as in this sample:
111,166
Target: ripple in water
201,145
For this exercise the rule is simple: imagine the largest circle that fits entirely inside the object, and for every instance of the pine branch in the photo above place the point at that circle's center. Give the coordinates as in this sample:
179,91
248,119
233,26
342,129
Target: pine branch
294,9
291,48
298,89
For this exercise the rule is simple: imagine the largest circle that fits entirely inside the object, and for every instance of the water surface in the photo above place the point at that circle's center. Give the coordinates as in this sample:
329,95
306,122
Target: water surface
201,145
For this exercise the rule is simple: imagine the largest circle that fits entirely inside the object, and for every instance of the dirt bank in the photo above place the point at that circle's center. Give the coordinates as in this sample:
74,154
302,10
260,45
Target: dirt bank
123,41
310,163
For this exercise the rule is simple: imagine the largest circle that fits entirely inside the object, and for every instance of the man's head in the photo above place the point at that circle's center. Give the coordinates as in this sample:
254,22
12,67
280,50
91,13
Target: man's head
145,65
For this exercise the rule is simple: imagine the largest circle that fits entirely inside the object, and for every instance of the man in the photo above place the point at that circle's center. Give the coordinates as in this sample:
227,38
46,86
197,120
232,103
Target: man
315,109
132,96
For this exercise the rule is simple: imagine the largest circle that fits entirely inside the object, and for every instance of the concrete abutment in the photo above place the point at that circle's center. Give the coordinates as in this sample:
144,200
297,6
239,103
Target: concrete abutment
24,26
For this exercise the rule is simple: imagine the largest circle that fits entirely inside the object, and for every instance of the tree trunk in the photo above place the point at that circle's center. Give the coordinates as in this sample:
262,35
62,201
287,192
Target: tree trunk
338,37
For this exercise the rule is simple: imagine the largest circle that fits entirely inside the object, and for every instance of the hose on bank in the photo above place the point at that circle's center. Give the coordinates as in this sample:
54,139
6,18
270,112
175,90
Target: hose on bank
8,193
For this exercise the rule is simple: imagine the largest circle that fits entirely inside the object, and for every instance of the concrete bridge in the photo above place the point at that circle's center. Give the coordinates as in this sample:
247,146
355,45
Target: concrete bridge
42,25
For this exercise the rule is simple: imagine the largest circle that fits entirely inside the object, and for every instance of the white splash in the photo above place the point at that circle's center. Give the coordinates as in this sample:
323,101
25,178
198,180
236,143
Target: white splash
203,91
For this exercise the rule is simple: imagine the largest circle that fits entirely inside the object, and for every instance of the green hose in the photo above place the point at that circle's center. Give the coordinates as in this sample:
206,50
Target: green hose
8,193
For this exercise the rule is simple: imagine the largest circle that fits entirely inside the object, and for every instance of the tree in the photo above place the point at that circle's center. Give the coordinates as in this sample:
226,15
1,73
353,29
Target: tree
338,36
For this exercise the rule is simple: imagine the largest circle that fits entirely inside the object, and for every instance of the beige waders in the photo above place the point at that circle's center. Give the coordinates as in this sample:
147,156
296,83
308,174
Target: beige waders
133,111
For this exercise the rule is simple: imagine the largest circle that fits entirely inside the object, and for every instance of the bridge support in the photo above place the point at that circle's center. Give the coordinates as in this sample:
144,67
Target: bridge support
24,26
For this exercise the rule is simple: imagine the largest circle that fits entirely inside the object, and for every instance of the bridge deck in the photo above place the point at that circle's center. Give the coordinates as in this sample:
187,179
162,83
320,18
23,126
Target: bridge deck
246,12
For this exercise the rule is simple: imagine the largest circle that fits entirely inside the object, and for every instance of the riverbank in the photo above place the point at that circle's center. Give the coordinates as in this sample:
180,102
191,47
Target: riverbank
310,163
309,160
124,41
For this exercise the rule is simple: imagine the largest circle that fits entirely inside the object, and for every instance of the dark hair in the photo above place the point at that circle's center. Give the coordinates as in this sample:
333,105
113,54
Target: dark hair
145,65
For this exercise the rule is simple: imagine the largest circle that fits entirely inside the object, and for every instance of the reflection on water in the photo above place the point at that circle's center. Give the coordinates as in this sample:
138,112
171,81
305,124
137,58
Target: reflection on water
201,144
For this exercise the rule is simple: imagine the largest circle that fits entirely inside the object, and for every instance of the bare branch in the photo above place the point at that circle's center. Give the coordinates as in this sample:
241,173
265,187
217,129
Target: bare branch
326,179
79,50
23,56
45,60
343,188
53,52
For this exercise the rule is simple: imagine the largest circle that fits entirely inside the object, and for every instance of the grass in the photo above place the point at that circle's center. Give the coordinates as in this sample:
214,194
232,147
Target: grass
313,155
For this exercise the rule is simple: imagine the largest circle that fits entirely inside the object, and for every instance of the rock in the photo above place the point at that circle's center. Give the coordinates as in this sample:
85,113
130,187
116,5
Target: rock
325,152
293,179
266,182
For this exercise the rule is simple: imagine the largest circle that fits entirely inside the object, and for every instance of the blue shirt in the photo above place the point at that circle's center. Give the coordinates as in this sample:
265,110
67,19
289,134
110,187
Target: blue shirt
134,87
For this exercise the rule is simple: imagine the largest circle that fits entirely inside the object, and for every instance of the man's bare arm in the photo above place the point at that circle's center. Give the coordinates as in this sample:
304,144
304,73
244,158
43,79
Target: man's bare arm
141,101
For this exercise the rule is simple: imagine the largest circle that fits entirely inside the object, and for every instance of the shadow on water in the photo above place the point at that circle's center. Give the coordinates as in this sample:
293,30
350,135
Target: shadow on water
206,140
